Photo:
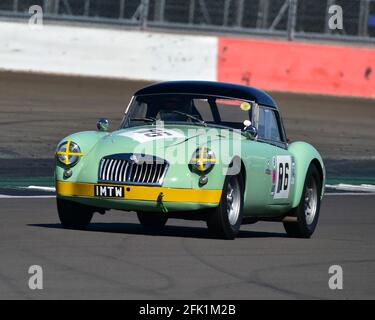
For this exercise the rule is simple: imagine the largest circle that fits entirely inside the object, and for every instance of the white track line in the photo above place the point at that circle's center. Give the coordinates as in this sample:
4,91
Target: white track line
349,194
352,187
5,196
49,189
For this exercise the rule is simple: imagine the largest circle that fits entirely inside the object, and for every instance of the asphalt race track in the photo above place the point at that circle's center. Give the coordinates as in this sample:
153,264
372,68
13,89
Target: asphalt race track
114,258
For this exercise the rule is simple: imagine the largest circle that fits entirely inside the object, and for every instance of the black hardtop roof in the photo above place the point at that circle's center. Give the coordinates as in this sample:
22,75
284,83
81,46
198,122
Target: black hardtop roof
213,88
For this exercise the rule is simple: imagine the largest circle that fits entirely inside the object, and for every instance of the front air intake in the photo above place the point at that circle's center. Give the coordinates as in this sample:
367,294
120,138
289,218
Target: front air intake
132,169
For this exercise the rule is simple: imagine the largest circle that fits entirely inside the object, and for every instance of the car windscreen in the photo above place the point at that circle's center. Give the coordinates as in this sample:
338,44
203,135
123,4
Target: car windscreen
188,109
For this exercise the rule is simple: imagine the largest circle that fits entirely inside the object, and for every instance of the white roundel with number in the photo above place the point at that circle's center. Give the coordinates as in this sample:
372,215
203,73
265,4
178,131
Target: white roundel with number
145,135
283,177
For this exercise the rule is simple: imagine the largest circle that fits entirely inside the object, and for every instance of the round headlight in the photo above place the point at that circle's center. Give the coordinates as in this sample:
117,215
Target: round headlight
203,160
68,153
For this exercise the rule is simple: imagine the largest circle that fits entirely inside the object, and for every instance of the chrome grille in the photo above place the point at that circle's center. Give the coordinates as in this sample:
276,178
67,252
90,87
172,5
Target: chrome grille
127,169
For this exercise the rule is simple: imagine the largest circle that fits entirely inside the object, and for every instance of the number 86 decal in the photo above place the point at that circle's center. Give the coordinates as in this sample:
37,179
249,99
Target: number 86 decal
283,166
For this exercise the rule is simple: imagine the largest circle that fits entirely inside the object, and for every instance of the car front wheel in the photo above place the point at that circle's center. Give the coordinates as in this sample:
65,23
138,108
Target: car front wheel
152,221
74,215
225,220
307,212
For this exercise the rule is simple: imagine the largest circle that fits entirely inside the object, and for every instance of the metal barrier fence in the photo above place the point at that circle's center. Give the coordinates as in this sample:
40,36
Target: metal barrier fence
309,19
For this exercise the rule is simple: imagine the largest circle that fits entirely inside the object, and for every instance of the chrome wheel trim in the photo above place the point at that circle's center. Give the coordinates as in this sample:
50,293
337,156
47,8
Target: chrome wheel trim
311,201
233,200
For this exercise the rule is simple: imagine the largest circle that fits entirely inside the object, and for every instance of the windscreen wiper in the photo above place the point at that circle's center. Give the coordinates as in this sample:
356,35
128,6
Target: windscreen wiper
190,117
145,119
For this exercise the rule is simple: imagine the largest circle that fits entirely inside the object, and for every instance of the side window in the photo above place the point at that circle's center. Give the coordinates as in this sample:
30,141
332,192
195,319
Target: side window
268,127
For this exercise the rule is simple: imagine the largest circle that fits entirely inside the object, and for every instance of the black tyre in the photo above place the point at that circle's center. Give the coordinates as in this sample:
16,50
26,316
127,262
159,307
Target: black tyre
225,220
152,221
74,215
307,212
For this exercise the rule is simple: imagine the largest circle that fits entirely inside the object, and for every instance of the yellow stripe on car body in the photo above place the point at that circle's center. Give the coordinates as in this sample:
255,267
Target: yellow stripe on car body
133,192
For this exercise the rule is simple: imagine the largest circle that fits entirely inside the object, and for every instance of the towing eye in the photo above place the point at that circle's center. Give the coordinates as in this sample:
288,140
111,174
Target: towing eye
160,202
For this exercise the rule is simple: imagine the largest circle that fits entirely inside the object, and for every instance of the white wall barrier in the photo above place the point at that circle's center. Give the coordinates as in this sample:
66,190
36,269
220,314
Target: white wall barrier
101,52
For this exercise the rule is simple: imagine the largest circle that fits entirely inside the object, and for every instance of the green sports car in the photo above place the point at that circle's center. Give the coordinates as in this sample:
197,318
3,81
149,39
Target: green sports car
210,151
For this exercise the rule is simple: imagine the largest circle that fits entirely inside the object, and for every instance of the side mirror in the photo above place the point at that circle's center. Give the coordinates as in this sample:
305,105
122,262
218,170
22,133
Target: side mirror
250,131
102,124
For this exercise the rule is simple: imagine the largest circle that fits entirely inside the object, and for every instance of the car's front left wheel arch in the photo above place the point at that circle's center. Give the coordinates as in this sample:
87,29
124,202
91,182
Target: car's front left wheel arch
237,166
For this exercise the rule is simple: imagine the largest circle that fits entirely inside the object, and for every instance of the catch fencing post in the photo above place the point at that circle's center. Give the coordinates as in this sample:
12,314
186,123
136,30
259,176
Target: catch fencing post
51,6
15,5
144,13
86,10
240,7
364,13
292,17
262,19
191,11
226,12
159,10
122,9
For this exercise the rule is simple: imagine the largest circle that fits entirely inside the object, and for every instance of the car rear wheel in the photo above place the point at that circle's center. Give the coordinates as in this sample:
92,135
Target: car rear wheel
74,215
307,212
225,220
152,221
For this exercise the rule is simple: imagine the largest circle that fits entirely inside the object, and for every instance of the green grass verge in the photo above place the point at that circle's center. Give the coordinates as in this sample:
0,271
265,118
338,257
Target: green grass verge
13,182
350,180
